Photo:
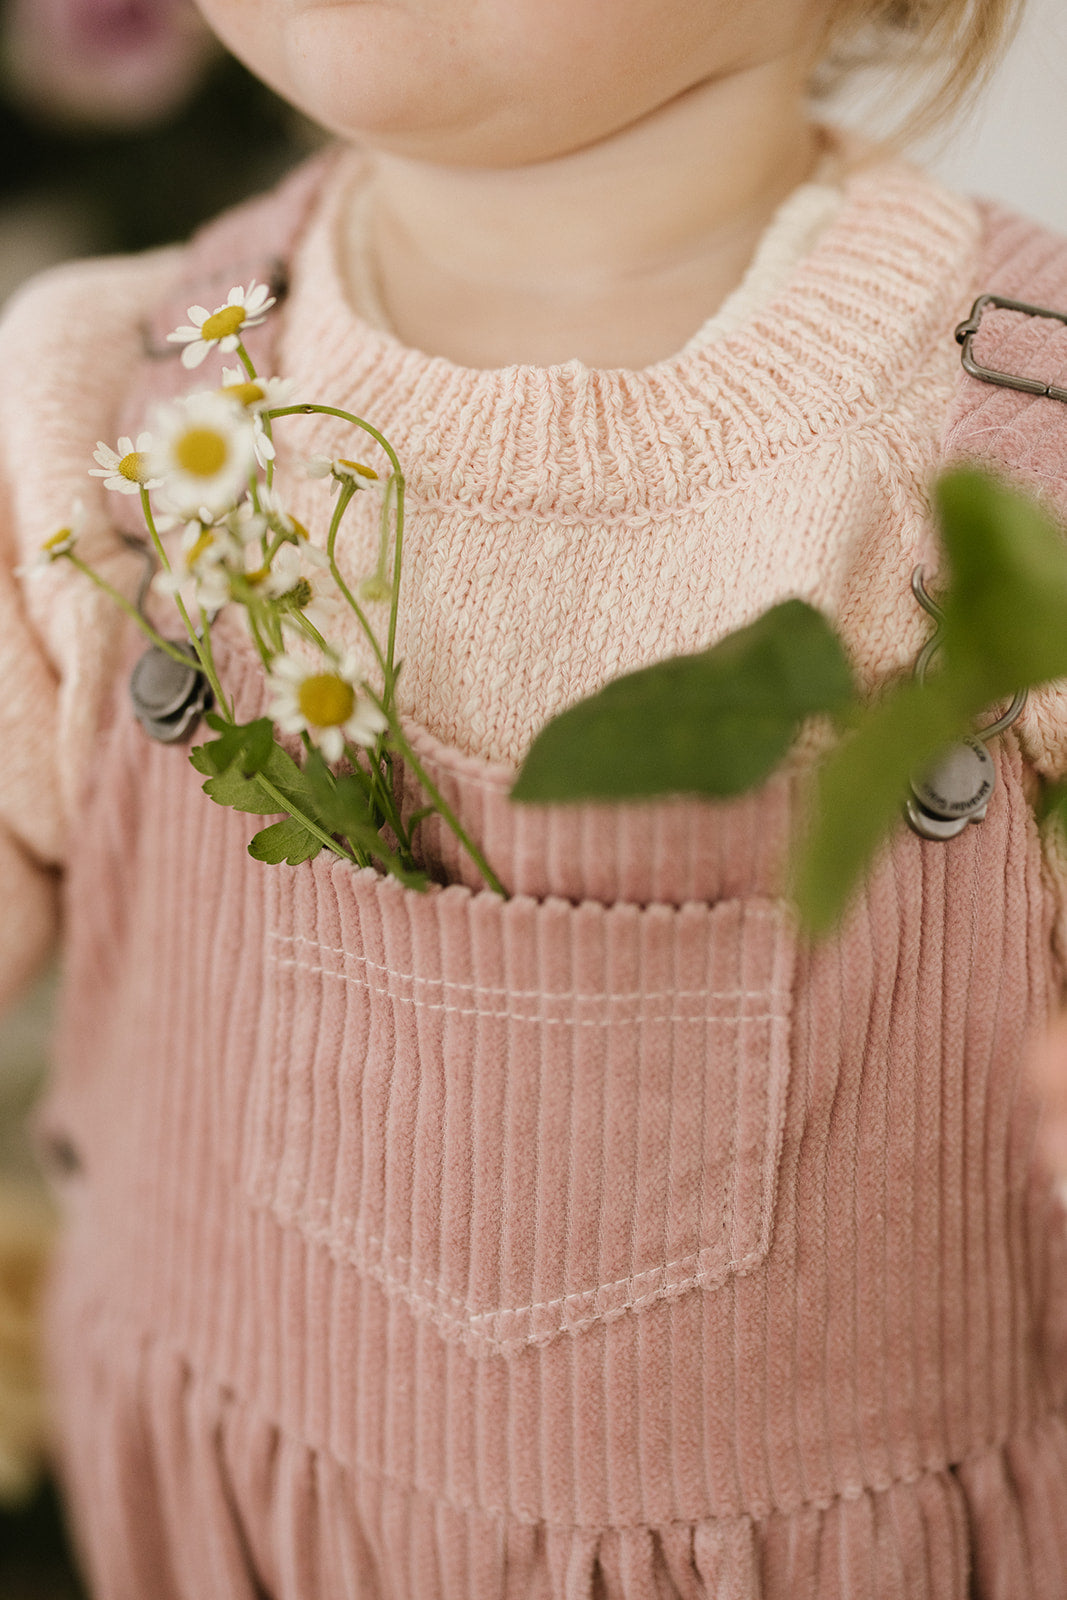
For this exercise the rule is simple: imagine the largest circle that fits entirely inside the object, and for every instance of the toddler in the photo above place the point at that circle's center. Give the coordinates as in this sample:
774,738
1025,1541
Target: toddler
608,1241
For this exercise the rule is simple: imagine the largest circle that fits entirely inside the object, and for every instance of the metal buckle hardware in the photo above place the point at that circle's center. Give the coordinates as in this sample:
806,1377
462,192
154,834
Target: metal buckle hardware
169,699
1005,380
956,789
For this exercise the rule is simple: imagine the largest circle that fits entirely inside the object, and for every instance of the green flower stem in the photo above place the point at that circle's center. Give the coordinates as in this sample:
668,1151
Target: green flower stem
271,550
387,662
253,377
398,550
379,791
202,645
347,491
368,428
313,828
130,609
381,570
150,523
246,361
297,620
442,805
257,638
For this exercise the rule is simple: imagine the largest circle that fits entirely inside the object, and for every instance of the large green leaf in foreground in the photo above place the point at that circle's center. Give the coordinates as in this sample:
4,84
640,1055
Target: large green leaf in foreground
1006,607
1005,629
719,722
716,723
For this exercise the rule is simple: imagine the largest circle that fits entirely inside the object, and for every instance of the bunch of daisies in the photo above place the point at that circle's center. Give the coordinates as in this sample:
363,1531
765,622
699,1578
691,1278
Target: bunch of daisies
204,474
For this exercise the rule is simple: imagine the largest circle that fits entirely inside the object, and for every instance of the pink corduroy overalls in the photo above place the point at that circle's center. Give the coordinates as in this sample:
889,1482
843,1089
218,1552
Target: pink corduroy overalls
607,1243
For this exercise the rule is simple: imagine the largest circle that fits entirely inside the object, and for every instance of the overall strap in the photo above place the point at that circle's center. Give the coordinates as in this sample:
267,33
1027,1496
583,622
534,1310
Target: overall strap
1019,431
253,240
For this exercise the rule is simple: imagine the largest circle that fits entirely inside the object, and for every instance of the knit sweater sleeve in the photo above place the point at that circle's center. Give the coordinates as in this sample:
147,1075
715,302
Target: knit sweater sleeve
67,340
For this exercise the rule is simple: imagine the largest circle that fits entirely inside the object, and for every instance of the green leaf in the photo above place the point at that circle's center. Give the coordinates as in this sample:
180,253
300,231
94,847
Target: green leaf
276,785
1052,805
1005,622
241,794
287,841
859,791
344,807
715,723
247,745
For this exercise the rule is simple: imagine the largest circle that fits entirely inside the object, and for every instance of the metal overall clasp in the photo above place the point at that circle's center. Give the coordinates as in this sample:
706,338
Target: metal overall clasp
168,698
965,334
957,788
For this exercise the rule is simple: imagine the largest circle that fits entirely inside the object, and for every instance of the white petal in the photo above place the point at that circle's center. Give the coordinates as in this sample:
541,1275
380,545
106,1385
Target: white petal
193,354
290,669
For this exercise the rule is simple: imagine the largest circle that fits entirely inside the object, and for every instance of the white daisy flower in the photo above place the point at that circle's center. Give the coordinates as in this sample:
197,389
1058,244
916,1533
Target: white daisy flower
321,699
295,577
202,569
203,453
257,396
245,308
278,519
315,597
341,470
246,523
58,544
125,469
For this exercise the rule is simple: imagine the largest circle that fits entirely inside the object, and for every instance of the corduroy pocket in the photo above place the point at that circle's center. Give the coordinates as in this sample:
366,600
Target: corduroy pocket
524,1117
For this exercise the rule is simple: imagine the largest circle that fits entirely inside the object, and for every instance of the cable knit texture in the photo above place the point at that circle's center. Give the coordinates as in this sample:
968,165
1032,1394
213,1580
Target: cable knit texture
609,1242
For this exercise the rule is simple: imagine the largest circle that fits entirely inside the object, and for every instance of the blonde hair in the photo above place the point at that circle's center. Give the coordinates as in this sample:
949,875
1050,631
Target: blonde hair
945,49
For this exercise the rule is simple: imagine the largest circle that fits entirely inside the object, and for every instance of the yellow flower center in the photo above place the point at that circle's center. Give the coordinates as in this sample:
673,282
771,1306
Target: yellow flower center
246,394
356,466
222,323
326,700
201,452
133,467
57,538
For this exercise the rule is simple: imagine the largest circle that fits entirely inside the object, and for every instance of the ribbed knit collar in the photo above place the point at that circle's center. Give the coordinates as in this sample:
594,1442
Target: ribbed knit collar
887,278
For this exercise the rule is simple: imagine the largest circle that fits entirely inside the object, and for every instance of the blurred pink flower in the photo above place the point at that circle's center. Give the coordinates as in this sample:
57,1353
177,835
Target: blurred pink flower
105,63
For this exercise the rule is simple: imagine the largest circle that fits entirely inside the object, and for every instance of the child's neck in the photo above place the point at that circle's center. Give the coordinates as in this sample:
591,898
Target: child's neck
613,254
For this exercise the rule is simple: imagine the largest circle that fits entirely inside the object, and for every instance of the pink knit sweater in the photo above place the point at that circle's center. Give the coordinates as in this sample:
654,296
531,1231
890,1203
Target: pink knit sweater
608,1241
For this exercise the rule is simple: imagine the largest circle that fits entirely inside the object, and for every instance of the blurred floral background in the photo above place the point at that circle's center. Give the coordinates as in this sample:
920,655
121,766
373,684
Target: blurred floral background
123,125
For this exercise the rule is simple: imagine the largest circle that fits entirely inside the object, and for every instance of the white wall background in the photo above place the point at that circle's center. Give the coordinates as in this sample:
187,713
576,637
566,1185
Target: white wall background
1013,148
